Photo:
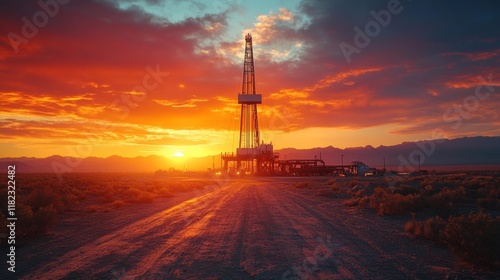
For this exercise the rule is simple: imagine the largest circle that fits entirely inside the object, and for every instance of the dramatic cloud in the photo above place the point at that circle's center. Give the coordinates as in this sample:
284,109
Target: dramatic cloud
429,57
165,74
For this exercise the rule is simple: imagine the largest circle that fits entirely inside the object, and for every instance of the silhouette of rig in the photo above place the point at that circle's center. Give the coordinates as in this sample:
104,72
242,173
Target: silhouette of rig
254,157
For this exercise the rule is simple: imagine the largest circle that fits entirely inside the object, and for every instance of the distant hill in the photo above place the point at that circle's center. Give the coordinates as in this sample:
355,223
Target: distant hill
90,164
461,151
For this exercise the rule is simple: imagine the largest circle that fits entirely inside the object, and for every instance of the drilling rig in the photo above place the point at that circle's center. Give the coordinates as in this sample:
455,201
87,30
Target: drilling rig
255,157
252,156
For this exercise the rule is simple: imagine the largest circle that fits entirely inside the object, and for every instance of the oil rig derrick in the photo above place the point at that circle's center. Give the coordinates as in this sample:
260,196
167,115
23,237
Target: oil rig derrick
252,156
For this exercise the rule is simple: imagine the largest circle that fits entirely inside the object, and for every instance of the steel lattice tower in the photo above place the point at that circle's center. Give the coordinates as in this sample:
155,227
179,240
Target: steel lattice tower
249,123
252,157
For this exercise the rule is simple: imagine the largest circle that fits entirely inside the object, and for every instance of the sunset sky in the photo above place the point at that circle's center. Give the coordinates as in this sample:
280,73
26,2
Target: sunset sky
151,77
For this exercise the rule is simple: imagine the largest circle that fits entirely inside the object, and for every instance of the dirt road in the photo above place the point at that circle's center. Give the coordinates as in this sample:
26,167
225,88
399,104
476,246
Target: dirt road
247,229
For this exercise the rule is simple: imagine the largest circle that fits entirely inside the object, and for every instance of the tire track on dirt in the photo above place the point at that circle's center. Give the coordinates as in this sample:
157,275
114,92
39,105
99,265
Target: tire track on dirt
195,241
118,243
354,257
310,231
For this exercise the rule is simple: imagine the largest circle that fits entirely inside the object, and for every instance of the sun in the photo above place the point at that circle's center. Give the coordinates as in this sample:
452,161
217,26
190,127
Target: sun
178,154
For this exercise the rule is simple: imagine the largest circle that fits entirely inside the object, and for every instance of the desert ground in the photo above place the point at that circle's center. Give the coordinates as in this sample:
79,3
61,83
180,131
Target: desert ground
238,228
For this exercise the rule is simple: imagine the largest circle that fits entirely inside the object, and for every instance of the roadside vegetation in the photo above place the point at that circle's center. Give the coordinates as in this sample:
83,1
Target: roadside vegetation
460,212
302,185
473,237
42,198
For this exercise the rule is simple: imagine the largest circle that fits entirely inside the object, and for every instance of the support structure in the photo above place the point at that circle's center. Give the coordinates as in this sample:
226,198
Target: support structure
252,156
249,122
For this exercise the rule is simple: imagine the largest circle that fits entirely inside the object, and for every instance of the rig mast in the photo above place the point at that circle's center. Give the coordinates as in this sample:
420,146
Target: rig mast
249,123
252,156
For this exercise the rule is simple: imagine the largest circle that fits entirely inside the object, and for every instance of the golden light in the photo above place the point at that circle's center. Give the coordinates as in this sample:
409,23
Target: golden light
178,154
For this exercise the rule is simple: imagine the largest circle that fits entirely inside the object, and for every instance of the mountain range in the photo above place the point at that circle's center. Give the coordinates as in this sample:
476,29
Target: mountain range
461,151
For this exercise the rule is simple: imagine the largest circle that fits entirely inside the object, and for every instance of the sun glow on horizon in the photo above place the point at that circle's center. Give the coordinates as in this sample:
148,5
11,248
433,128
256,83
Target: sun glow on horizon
178,154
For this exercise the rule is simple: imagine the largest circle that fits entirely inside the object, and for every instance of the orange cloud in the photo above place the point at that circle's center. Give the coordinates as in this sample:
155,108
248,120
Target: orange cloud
190,103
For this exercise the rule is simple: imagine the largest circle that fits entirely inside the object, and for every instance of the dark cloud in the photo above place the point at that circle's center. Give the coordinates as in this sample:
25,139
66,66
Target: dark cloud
426,48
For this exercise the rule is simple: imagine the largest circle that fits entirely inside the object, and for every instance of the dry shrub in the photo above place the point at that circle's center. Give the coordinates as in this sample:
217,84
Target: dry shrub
301,185
44,219
412,227
67,201
388,203
142,197
107,197
428,181
474,182
475,237
357,201
92,208
494,192
489,197
131,193
24,216
33,223
489,203
431,193
429,190
333,191
406,190
98,189
181,187
164,192
42,197
334,187
353,201
118,203
62,198
37,209
446,199
358,193
332,182
353,182
432,229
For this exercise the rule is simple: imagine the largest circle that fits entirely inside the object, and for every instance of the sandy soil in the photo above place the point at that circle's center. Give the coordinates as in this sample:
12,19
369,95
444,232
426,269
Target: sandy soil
246,229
